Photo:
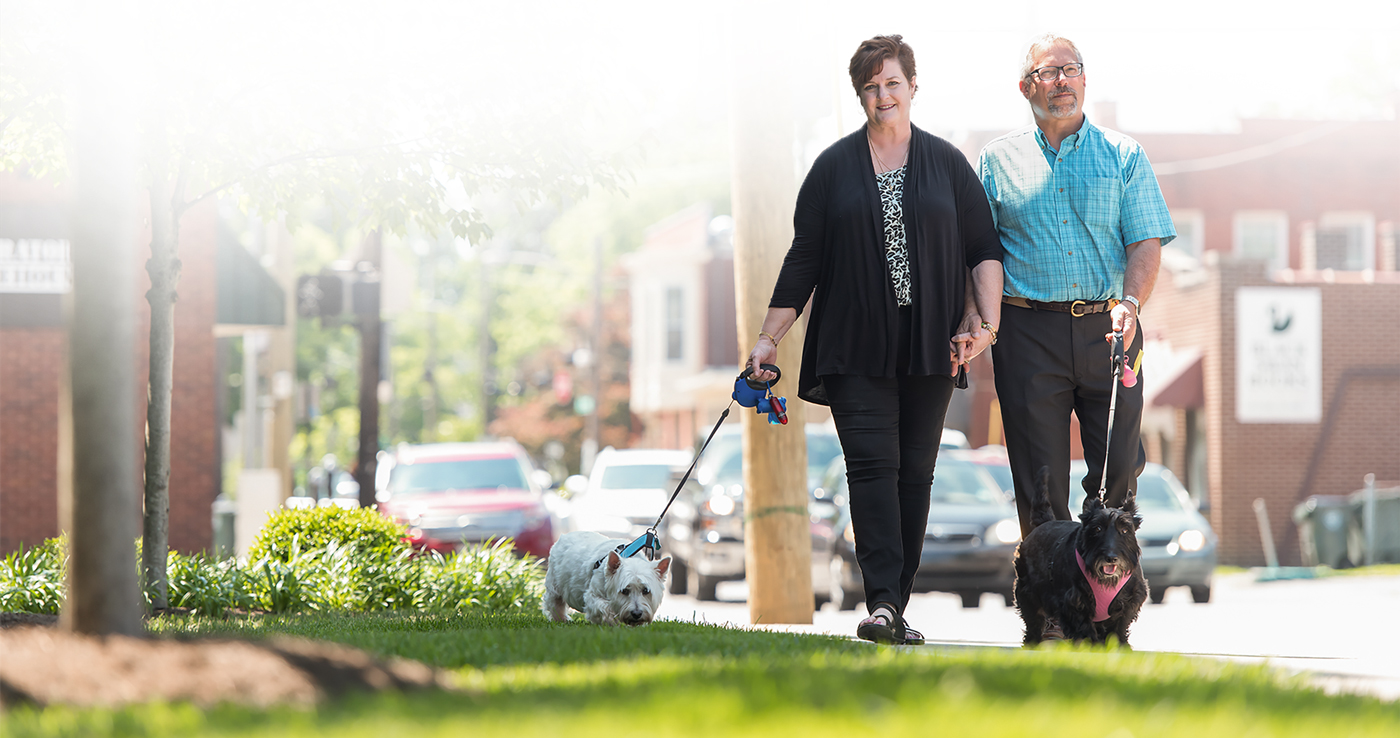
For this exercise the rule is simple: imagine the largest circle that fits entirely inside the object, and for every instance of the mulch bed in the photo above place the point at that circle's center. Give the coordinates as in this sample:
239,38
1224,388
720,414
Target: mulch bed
44,665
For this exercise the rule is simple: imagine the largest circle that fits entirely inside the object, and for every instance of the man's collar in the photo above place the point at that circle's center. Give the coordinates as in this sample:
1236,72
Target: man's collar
1070,140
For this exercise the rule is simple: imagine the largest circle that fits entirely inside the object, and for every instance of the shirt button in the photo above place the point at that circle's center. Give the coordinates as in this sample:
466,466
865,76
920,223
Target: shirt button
1060,159
1071,253
1076,284
1064,221
1062,189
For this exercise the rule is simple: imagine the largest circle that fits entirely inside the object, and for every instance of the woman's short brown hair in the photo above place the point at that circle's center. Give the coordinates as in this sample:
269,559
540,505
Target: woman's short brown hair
871,56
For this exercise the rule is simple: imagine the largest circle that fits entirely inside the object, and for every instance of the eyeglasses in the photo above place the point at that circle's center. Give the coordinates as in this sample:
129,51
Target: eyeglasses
1050,74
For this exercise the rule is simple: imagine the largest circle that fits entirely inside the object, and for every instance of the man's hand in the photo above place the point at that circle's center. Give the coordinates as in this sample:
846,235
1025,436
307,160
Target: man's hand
1124,320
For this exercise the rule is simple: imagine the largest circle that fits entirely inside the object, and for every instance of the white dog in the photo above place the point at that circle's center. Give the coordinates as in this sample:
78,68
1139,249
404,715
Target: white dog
586,573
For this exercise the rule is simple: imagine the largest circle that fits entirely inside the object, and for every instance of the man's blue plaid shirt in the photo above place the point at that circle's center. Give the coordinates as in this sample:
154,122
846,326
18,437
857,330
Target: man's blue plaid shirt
1066,217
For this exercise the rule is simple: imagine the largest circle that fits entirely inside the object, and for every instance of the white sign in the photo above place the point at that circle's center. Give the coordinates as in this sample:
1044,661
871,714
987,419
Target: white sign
35,265
1278,357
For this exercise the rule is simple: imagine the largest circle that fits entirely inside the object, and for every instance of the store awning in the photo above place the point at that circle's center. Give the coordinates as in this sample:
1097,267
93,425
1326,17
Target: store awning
1178,382
247,294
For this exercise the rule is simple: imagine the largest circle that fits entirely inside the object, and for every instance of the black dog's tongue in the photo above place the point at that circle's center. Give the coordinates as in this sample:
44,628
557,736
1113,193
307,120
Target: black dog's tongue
1110,570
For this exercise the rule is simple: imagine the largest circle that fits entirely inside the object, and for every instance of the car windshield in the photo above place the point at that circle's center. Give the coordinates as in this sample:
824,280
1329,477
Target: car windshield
1154,491
1002,474
726,453
636,476
439,476
963,483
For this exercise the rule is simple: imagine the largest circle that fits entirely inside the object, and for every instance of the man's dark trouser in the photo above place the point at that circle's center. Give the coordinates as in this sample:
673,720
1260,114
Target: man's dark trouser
1047,364
889,430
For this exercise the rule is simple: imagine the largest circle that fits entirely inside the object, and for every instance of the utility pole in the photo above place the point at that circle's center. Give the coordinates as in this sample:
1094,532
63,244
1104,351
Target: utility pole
777,539
365,301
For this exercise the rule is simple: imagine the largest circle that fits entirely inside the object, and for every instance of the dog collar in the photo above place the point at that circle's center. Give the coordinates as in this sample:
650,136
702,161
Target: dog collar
617,550
1103,594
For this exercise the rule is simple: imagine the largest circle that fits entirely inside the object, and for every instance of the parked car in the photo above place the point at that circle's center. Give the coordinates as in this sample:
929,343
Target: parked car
704,530
450,494
969,541
994,459
626,490
1178,544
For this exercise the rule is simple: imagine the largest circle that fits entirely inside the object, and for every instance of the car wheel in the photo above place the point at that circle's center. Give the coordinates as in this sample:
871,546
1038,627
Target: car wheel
971,600
703,586
818,601
1201,594
680,577
1157,594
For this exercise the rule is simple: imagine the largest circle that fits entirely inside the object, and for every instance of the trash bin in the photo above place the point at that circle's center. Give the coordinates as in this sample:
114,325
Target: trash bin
1387,527
225,512
1322,522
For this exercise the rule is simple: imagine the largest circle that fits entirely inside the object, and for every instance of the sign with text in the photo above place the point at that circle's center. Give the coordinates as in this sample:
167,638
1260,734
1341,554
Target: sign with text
1278,355
35,265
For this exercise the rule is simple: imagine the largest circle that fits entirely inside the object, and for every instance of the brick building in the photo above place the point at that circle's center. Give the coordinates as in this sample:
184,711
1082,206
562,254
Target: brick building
1311,206
33,343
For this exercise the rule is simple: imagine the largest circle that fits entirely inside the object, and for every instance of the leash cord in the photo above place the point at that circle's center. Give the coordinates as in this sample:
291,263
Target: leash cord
1118,350
686,478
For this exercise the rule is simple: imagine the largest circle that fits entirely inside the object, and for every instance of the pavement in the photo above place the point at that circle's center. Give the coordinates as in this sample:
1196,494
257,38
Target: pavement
1340,632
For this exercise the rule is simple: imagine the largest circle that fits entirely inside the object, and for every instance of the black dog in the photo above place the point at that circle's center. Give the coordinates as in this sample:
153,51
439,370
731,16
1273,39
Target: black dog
1085,575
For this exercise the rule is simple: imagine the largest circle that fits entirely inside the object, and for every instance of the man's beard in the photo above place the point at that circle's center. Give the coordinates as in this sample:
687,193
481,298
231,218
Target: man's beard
1065,110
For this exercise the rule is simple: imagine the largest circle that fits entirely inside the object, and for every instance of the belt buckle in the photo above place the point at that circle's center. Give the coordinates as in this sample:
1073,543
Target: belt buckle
1074,305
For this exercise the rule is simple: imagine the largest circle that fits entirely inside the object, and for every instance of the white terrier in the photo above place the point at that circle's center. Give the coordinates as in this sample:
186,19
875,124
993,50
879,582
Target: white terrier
586,573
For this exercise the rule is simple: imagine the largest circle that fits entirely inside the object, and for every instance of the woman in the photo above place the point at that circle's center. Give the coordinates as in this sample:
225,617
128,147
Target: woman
889,222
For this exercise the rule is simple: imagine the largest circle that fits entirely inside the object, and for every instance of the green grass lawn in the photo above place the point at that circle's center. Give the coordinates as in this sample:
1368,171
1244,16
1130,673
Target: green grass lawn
521,675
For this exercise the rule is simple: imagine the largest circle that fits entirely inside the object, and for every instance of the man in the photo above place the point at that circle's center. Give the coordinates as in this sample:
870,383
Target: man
1083,222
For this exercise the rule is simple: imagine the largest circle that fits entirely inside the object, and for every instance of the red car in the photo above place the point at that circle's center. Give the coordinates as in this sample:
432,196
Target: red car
450,494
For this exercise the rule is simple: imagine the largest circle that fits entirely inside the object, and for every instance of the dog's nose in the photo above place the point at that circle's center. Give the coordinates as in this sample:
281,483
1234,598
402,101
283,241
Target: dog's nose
636,615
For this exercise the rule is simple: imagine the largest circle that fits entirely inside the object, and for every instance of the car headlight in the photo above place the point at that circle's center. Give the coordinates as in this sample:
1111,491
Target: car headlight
1007,531
1191,540
849,534
721,505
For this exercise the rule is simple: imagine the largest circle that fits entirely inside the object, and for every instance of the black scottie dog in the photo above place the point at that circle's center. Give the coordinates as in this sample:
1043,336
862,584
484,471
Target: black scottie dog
1085,575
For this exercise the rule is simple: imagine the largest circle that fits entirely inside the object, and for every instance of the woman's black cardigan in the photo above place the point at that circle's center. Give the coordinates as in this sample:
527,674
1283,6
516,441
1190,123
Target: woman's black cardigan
838,249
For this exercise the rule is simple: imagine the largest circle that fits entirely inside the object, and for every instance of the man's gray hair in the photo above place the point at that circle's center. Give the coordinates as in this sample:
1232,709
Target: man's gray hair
1043,42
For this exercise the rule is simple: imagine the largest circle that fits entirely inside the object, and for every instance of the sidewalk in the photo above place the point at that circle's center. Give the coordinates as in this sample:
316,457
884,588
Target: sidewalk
1339,631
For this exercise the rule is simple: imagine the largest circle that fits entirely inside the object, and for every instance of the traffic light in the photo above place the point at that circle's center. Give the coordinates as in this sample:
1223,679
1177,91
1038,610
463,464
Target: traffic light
320,295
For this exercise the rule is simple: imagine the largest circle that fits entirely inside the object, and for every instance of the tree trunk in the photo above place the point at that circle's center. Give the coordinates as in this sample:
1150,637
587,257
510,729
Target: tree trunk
97,445
164,269
777,536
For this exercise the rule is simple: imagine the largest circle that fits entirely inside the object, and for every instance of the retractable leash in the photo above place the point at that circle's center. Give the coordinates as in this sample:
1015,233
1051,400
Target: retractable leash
1122,373
748,393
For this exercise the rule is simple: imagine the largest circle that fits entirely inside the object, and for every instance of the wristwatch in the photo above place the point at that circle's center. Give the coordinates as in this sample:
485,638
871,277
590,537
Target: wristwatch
1137,306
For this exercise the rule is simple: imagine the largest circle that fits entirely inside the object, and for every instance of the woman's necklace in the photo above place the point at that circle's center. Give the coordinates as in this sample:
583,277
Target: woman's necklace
883,166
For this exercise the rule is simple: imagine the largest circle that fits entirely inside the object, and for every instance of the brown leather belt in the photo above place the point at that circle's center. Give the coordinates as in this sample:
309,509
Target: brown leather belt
1077,308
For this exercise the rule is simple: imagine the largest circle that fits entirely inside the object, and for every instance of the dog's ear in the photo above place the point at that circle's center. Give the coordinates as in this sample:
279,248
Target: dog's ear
663,566
1092,504
1130,509
614,561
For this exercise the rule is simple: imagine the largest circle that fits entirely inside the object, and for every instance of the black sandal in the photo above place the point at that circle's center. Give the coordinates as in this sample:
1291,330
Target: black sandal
882,628
912,637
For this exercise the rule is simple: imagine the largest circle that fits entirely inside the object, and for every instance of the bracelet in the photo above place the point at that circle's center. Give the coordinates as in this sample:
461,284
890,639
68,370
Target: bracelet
769,336
990,330
1137,306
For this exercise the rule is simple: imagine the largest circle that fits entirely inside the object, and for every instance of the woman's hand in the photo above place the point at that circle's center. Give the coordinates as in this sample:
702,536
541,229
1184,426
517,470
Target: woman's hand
765,351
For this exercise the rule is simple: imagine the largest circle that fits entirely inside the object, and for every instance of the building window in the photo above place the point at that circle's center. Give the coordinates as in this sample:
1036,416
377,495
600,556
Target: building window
1263,235
1345,242
1190,232
675,329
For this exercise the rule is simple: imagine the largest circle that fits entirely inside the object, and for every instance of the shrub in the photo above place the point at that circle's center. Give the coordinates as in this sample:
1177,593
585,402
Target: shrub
312,529
489,576
207,587
32,580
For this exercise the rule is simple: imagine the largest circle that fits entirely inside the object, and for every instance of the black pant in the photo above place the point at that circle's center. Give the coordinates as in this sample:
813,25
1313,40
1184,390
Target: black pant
1050,363
889,430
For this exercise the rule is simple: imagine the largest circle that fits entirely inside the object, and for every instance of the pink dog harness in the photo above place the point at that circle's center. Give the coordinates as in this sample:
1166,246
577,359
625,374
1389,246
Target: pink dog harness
1103,595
